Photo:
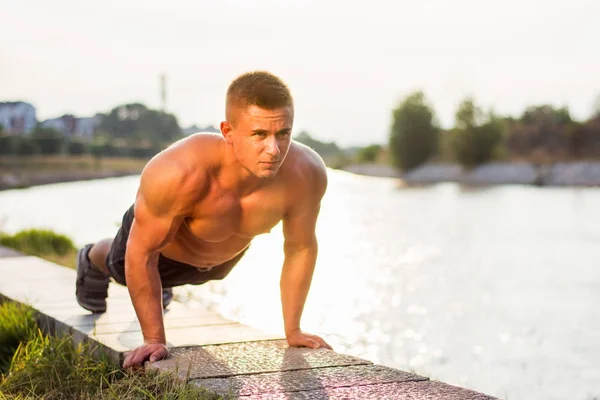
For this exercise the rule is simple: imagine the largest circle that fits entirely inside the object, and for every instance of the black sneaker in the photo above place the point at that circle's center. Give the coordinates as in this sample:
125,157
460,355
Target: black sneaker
91,287
167,296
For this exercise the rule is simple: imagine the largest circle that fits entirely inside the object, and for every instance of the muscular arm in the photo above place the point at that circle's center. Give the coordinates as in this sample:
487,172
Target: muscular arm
161,206
300,249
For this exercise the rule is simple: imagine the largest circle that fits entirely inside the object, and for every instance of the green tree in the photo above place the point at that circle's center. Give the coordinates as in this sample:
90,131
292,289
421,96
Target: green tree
477,135
325,149
546,115
48,140
369,154
414,135
76,147
135,123
595,108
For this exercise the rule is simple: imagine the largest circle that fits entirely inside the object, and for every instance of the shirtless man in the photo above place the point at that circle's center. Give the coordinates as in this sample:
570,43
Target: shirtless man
199,204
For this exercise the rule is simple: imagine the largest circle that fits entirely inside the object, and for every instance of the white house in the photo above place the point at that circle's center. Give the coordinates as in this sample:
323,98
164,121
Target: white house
72,126
17,117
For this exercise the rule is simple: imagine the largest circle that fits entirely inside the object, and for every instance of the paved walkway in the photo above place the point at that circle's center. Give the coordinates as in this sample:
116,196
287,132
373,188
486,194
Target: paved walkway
222,355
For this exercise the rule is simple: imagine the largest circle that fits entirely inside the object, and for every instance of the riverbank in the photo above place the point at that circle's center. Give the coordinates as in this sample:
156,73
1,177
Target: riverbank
25,180
23,172
584,173
31,172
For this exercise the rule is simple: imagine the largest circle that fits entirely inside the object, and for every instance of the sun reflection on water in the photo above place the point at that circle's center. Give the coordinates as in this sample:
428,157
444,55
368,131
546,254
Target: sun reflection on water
494,288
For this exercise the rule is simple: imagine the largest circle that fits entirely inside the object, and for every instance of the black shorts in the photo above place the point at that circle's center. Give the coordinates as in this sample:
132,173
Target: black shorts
172,273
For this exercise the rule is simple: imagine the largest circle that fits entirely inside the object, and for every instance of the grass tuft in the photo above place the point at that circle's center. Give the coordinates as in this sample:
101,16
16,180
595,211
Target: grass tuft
37,366
38,242
42,243
17,325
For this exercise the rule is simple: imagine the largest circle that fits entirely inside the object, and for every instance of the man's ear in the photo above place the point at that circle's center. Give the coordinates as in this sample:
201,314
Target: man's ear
227,131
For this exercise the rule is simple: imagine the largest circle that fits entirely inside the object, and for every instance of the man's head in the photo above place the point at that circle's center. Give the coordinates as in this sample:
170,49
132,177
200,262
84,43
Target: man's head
260,114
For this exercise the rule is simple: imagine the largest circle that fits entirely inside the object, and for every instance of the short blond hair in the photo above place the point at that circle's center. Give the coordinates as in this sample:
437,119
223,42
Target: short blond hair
259,88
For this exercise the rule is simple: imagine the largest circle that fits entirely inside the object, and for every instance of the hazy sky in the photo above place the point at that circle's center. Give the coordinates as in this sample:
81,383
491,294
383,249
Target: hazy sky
347,63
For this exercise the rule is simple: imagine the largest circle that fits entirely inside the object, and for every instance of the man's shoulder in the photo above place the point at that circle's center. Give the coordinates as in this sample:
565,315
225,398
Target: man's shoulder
306,168
184,166
306,160
194,153
190,147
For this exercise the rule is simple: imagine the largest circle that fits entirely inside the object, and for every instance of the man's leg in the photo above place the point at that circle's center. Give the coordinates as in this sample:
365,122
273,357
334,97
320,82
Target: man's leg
98,254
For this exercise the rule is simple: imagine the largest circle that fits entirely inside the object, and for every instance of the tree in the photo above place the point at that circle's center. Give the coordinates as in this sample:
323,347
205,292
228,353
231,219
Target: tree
48,140
332,155
368,154
135,123
544,133
476,136
414,136
595,109
324,149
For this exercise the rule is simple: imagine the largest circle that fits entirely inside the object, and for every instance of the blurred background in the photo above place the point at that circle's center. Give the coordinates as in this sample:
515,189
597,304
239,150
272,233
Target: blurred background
458,236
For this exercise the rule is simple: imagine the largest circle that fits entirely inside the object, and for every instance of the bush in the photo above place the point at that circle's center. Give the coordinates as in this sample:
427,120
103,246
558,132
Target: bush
49,141
38,242
76,147
17,145
369,154
8,144
27,147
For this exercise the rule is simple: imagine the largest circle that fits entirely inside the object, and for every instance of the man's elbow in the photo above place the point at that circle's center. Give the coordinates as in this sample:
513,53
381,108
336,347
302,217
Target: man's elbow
294,248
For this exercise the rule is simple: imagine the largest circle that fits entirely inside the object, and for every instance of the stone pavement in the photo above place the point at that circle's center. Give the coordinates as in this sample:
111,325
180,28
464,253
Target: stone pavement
224,356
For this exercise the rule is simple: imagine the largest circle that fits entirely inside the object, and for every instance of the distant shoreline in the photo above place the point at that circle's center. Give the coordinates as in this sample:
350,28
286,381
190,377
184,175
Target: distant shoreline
580,173
585,174
11,181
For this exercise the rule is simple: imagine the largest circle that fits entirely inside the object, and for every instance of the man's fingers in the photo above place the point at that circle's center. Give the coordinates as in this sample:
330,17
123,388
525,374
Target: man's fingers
136,358
323,343
159,355
320,343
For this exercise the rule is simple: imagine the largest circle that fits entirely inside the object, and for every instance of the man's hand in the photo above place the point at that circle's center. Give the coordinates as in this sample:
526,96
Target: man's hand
148,351
298,338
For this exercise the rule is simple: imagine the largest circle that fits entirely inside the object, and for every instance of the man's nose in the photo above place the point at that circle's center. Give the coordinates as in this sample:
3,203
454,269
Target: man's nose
272,146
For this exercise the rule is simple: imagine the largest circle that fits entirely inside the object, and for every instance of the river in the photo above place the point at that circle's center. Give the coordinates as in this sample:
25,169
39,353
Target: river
496,289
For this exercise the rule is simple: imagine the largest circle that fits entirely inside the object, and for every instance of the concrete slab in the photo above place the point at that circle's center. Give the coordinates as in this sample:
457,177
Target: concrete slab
32,268
306,379
42,283
251,358
191,336
419,390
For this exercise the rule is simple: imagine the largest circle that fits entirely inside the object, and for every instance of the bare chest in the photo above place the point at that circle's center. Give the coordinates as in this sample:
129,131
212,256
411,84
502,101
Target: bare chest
220,218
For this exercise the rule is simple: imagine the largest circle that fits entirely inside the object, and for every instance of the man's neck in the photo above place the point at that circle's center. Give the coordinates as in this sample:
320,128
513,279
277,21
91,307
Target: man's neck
235,178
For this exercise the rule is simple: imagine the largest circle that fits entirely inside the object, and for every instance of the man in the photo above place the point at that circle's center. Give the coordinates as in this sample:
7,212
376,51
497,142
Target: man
199,204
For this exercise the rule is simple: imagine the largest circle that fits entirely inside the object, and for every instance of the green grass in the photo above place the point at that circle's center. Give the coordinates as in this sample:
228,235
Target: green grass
17,325
38,366
42,243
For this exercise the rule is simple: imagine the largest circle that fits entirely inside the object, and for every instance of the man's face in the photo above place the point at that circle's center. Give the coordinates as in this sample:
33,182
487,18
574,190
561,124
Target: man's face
261,139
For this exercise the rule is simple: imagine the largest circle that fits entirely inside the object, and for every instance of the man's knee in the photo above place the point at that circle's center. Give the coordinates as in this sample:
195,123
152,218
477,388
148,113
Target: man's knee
98,254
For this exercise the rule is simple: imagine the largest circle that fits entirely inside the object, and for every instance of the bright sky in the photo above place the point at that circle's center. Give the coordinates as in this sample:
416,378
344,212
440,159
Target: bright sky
347,63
